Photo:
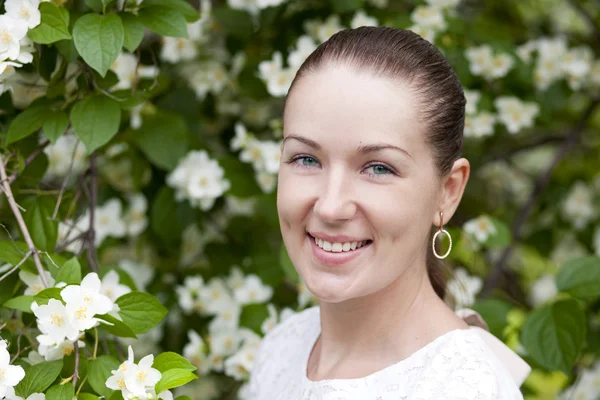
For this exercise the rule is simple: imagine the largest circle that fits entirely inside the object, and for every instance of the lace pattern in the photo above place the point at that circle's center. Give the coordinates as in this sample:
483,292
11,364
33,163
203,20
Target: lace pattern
455,366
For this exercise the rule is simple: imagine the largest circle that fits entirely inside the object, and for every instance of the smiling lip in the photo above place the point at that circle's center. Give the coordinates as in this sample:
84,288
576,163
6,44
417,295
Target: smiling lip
336,238
330,258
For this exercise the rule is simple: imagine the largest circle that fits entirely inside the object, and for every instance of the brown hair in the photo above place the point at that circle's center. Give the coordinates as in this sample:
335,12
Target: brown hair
404,55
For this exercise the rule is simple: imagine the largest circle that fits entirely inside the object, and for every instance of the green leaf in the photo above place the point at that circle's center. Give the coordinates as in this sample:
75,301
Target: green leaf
38,377
236,23
141,311
99,39
98,5
164,21
27,122
118,328
61,392
70,272
181,6
152,136
47,294
580,277
134,32
21,303
44,231
174,378
342,6
253,315
169,360
162,212
54,25
87,396
99,370
493,312
553,335
13,252
96,120
502,237
56,124
183,398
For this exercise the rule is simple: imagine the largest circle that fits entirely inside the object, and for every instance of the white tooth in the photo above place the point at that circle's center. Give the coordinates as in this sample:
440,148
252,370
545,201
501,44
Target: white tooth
336,247
326,245
319,242
346,246
353,245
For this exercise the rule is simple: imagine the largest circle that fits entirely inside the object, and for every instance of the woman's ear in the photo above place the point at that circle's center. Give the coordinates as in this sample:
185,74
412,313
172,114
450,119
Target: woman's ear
453,187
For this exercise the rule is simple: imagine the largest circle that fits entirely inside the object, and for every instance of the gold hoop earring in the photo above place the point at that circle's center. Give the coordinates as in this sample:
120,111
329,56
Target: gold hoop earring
441,230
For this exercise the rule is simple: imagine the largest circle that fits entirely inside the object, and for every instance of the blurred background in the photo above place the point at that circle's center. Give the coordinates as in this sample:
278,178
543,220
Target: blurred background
178,168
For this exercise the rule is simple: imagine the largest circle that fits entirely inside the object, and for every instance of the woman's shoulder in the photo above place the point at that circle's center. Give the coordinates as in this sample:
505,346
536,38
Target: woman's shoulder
464,367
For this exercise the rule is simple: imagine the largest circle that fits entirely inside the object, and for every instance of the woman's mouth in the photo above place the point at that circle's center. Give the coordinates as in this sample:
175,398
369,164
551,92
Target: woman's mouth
336,253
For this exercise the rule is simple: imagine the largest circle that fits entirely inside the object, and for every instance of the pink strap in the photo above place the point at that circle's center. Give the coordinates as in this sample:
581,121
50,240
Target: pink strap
518,368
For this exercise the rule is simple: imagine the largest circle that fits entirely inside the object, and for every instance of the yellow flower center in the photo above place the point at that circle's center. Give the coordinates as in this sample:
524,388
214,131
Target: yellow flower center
56,319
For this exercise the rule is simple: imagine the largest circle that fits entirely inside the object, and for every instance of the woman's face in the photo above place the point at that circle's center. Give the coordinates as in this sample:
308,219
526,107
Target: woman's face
355,170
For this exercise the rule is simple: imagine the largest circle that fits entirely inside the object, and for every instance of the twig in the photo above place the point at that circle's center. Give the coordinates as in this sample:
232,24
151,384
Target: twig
28,161
76,372
66,244
17,213
13,269
573,137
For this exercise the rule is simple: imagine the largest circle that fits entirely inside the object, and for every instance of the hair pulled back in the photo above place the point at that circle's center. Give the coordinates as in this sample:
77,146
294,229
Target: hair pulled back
402,55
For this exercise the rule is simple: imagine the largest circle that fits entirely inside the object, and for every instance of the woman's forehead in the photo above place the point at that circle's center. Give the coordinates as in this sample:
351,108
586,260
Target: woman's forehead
338,100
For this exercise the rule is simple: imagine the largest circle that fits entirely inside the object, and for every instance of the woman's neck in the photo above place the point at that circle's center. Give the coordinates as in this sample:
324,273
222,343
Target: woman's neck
363,335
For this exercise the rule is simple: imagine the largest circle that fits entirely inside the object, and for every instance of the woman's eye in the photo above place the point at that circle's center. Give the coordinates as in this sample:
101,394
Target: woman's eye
378,169
306,161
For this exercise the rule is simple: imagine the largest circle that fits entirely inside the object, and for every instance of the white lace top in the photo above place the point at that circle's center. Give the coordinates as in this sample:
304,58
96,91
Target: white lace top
455,366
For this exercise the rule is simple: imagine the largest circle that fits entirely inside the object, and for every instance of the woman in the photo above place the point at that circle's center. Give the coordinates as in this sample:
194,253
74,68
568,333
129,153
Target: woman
370,170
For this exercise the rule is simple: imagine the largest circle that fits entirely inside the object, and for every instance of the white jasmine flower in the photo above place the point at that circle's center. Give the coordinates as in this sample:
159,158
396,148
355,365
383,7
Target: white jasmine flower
266,69
235,279
54,322
224,342
111,288
270,152
548,67
12,30
331,26
33,358
542,290
195,352
266,181
10,375
429,17
305,296
176,49
240,139
240,364
67,152
253,291
117,380
198,179
481,228
279,83
271,321
472,97
227,316
188,295
426,33
526,50
57,351
463,288
361,18
480,125
141,274
69,230
236,206
577,64
305,45
578,207
108,221
26,10
135,218
85,300
215,295
516,114
127,69
141,376
482,61
34,282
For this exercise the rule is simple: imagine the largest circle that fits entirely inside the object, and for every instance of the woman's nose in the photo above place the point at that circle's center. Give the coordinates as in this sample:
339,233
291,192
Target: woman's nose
335,201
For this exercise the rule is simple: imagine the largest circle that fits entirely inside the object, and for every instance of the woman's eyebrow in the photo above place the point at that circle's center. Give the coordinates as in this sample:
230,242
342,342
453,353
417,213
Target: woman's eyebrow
381,146
302,139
